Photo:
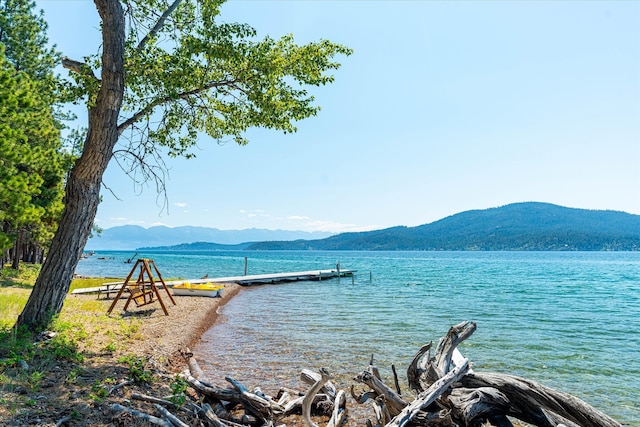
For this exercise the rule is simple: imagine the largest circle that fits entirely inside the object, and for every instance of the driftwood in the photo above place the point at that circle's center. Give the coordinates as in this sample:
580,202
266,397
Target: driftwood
142,415
211,416
152,399
394,402
339,412
311,377
428,396
487,397
308,398
193,365
536,404
448,393
418,367
168,415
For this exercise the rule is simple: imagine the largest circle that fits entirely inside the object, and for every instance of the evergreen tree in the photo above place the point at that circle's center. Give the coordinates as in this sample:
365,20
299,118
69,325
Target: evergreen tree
28,155
24,35
38,152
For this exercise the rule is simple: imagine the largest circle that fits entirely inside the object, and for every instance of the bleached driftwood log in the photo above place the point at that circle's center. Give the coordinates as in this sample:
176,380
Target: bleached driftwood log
450,393
418,367
193,365
211,417
259,404
310,377
536,404
177,422
261,408
322,404
485,396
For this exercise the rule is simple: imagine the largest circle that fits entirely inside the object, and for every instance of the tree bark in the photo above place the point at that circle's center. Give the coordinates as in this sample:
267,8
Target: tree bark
83,186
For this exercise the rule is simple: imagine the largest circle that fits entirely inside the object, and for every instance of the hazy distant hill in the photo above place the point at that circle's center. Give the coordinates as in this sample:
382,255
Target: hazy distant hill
198,246
519,226
129,237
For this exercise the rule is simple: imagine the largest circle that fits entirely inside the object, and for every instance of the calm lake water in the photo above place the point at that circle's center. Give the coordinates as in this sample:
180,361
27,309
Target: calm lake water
569,320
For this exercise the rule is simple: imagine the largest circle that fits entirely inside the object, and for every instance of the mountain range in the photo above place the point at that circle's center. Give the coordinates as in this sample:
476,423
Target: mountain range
527,226
129,237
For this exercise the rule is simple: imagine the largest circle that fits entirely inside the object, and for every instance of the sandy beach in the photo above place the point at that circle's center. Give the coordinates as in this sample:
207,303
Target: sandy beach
168,336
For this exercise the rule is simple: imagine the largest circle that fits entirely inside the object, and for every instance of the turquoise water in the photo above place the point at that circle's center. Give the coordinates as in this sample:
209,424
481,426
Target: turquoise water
569,320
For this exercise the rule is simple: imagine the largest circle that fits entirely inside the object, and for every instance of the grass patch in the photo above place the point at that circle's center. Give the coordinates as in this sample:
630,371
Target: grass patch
24,277
12,300
91,282
16,285
81,331
83,322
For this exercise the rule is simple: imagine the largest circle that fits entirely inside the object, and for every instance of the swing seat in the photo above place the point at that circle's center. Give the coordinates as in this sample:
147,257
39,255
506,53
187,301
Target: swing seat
144,291
141,295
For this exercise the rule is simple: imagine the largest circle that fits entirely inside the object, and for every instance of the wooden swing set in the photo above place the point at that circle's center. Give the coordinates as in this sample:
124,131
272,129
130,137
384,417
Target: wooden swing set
144,290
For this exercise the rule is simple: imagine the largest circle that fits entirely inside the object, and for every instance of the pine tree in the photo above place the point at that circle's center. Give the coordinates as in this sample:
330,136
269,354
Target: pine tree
24,35
28,139
28,59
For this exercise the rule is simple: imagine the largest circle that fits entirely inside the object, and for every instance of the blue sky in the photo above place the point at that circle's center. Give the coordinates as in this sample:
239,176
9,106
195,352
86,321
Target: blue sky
443,107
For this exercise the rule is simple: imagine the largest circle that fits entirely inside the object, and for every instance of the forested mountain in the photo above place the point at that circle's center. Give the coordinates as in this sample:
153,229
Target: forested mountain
519,226
529,226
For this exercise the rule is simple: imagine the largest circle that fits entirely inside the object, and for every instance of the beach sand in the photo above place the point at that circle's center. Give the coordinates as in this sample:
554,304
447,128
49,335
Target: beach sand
167,337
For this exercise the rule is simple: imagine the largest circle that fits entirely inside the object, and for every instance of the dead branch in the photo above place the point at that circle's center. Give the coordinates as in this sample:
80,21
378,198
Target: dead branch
194,367
142,415
151,399
168,415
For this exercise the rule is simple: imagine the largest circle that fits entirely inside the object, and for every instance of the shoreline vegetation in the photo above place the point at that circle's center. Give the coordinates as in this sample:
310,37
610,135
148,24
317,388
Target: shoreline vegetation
94,369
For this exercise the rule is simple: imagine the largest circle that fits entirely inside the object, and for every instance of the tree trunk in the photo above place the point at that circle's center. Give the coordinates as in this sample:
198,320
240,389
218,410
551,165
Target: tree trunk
39,255
83,186
17,250
30,253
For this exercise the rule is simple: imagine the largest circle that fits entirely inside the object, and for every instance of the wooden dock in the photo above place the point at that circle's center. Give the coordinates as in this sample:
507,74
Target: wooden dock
263,279
248,280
